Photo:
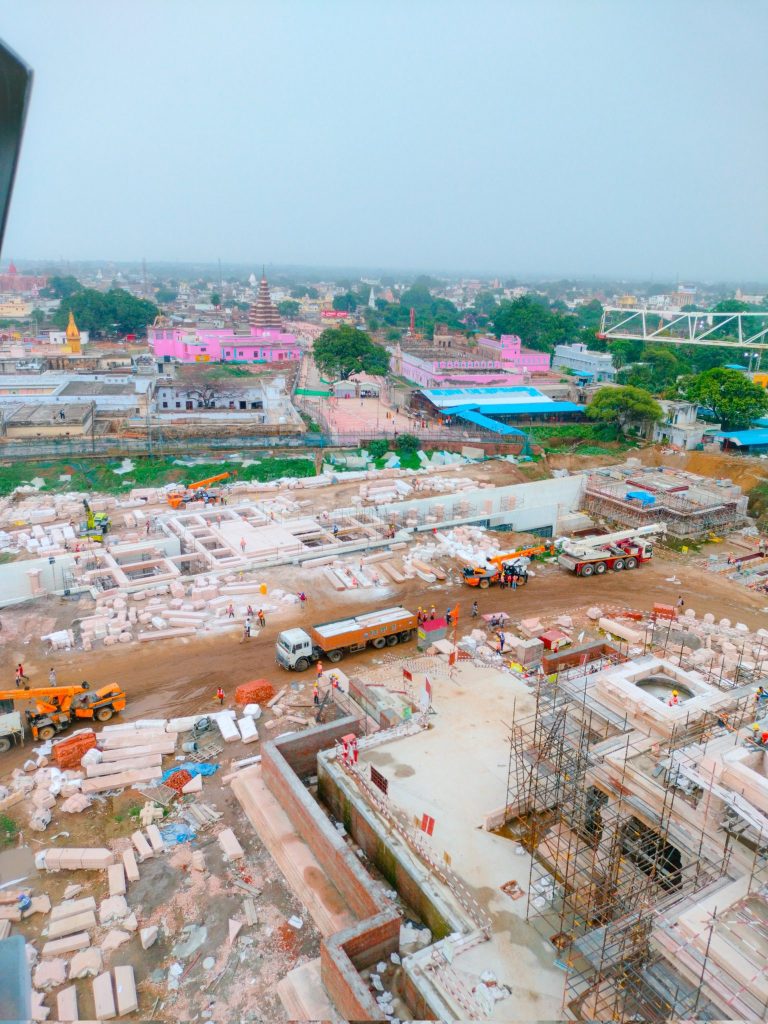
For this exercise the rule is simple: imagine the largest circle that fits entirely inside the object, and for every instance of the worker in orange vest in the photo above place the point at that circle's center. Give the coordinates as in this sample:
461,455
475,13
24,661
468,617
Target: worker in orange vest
319,670
316,693
220,696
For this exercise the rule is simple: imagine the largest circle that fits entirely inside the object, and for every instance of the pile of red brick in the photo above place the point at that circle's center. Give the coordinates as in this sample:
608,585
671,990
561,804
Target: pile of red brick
257,692
67,753
178,780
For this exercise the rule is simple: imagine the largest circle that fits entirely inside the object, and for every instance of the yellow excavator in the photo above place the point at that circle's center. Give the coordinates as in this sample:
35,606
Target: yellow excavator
179,498
96,525
54,708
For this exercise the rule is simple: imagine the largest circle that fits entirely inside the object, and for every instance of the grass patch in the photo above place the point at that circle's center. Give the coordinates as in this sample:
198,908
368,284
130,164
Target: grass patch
8,831
581,438
100,476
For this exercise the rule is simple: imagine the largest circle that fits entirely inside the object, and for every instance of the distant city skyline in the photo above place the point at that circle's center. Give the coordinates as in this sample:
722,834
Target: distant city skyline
519,139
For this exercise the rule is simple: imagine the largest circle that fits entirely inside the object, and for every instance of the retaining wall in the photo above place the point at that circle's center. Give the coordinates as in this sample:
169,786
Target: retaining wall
377,934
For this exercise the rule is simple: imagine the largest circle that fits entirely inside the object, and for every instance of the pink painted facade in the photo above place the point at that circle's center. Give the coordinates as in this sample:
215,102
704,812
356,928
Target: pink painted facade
213,345
509,350
446,368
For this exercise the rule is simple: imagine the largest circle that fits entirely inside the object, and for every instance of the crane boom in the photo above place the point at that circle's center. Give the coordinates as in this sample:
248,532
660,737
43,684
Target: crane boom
210,480
586,545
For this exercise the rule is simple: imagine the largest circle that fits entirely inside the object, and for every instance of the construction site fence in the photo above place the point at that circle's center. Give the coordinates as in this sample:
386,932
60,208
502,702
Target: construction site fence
116,446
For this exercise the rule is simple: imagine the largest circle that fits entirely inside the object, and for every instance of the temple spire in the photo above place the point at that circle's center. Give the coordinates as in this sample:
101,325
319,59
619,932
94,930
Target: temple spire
264,313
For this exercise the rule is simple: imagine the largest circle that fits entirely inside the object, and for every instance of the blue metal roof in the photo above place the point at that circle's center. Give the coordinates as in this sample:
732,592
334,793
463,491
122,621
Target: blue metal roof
527,408
485,421
448,392
745,437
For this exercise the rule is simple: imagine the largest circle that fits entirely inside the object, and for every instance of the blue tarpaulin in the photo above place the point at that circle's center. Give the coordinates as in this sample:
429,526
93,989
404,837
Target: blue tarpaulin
194,769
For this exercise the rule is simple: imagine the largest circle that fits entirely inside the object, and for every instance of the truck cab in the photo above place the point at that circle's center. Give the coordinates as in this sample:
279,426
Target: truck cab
294,649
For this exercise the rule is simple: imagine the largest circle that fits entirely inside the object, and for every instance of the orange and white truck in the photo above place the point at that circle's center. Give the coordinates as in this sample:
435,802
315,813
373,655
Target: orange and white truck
297,648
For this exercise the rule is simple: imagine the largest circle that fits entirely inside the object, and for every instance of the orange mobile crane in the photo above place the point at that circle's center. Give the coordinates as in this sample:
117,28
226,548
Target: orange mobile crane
178,499
55,707
484,575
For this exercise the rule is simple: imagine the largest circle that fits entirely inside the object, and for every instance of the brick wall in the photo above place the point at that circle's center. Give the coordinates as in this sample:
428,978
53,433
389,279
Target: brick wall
378,932
582,654
379,853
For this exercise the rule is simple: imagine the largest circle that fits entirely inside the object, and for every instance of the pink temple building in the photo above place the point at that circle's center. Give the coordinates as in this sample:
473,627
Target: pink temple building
508,349
492,362
263,341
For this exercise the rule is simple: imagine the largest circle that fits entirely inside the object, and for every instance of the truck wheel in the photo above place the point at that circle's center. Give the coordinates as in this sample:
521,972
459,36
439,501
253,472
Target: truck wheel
301,665
104,714
46,733
618,565
484,584
379,642
587,570
631,563
335,656
405,636
392,640
600,568
5,744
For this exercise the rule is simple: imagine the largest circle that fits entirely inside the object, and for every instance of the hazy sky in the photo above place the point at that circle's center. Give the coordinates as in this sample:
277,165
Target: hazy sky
518,136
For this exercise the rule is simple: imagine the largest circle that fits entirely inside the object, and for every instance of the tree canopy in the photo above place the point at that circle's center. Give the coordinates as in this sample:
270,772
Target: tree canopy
61,287
345,303
107,313
288,308
627,406
732,397
344,350
535,322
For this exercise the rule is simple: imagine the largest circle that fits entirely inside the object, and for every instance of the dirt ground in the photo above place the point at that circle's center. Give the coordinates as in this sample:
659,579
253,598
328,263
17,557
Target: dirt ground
179,677
173,677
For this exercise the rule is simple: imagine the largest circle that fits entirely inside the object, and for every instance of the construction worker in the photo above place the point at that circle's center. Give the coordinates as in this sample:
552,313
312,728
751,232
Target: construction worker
247,629
319,671
674,700
21,678
474,610
315,692
761,698
432,612
52,677
220,696
261,618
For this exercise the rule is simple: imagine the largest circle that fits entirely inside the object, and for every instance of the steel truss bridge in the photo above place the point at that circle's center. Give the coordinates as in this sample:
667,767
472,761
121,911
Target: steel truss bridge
748,330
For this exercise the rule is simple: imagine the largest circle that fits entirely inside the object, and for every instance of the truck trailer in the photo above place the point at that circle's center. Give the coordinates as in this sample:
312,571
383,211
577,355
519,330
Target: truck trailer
593,556
296,649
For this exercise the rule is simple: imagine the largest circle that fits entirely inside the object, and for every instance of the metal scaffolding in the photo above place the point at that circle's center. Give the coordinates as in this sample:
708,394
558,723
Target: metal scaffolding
609,858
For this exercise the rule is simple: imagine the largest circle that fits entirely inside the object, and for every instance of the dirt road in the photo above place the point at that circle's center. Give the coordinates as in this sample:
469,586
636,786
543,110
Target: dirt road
180,676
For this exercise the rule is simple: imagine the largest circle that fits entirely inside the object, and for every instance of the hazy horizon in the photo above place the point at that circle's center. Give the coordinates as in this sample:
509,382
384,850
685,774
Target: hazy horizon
549,139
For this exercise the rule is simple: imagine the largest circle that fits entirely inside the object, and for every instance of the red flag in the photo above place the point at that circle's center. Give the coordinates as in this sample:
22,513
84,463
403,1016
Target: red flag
428,687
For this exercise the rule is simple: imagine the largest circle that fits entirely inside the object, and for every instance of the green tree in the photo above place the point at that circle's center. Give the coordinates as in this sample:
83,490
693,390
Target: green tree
107,313
215,299
627,406
166,295
61,287
624,351
537,325
289,308
485,303
346,303
408,443
344,350
734,399
378,449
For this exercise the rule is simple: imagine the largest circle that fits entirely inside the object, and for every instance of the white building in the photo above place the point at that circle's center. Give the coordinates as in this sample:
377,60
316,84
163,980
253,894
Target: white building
680,426
584,363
